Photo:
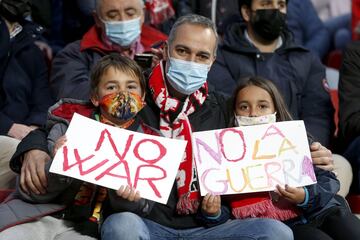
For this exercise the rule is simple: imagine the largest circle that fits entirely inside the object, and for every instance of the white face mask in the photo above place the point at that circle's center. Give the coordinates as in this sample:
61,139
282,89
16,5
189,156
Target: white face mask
249,121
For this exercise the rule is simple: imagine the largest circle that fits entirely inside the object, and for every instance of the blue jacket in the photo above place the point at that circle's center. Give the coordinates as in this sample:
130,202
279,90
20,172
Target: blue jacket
24,91
308,29
298,74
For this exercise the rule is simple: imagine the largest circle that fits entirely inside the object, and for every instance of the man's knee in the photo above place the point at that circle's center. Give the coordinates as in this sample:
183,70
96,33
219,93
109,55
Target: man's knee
277,229
124,225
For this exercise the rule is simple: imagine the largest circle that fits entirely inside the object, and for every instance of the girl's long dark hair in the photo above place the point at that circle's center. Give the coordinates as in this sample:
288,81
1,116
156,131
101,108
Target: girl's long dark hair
282,113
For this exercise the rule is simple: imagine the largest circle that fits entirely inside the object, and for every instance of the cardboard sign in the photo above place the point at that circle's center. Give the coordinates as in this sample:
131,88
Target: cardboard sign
253,158
111,157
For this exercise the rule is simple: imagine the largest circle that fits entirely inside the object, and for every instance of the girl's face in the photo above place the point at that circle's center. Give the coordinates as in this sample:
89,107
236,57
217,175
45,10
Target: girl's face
253,101
114,81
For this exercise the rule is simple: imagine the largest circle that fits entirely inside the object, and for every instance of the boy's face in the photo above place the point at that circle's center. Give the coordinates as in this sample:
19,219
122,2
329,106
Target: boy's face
253,101
114,81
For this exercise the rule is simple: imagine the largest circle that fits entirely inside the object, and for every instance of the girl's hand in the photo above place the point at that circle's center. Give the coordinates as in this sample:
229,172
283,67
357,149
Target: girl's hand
58,144
294,195
128,193
211,205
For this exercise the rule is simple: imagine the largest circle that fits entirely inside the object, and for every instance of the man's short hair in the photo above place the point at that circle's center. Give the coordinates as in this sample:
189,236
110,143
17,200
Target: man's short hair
120,63
98,2
195,20
248,3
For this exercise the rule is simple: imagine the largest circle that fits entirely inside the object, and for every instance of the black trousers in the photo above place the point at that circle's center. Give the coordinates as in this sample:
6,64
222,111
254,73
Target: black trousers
338,223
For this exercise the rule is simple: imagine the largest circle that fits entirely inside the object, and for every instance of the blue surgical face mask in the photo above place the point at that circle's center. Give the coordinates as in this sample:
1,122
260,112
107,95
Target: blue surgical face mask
123,33
186,76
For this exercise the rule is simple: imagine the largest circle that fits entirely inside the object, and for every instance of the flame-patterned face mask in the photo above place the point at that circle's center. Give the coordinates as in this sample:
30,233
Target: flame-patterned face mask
122,105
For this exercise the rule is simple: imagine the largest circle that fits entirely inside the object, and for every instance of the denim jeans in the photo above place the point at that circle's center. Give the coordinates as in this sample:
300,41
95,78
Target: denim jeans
130,226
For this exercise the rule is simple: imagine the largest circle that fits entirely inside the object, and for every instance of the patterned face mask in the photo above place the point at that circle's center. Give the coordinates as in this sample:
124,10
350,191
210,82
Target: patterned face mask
249,121
122,105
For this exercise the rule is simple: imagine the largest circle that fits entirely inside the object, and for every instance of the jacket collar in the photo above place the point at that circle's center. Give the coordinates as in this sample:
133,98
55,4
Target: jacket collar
236,41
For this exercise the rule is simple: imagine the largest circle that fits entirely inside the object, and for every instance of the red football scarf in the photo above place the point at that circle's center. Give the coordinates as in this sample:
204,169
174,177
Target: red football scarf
262,205
174,123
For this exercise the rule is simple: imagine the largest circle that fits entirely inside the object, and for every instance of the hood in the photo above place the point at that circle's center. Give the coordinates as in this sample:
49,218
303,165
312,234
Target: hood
64,109
235,41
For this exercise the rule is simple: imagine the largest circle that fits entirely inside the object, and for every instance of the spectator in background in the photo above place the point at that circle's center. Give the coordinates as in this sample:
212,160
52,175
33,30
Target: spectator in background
309,31
119,28
221,12
262,46
349,109
336,16
24,90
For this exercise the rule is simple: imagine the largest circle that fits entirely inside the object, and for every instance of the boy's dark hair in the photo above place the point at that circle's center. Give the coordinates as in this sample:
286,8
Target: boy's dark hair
282,113
121,63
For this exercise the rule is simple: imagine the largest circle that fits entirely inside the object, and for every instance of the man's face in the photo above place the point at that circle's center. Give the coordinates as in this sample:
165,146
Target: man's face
192,43
120,10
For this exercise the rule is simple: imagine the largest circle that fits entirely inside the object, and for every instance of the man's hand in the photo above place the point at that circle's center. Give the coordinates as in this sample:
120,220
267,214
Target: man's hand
211,205
294,195
128,193
19,131
321,156
32,177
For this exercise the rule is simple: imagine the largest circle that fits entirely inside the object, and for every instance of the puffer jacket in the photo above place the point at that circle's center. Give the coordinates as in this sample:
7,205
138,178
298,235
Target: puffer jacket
297,73
61,190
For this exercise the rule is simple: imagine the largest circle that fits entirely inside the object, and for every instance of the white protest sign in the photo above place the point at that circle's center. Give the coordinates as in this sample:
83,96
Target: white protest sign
111,157
253,158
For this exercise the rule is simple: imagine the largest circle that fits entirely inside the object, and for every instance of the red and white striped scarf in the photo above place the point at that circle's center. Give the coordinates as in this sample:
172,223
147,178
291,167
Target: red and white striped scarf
174,123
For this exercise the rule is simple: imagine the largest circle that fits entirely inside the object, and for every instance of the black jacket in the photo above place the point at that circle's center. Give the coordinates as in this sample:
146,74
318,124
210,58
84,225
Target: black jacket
349,95
24,88
298,74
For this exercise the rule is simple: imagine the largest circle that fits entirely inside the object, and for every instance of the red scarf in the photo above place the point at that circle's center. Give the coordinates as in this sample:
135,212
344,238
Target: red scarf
174,123
262,205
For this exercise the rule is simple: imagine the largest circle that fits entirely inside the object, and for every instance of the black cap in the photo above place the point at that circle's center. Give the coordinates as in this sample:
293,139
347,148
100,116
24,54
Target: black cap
15,10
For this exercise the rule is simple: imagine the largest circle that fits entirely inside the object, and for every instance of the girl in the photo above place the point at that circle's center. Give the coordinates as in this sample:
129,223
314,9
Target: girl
312,211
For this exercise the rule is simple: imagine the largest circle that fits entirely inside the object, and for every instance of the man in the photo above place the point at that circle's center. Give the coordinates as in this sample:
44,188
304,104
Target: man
24,87
181,96
261,45
118,28
349,110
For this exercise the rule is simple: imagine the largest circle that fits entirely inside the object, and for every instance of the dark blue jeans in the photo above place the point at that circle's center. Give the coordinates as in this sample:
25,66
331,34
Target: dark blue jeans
130,226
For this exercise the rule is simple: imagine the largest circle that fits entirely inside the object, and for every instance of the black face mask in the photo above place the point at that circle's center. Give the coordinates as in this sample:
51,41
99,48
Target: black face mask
268,23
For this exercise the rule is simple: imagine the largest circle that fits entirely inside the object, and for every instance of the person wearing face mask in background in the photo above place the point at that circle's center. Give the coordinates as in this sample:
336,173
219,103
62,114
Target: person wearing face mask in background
262,45
118,28
312,212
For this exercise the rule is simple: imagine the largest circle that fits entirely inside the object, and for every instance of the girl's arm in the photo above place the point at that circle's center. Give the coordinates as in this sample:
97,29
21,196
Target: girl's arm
320,194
